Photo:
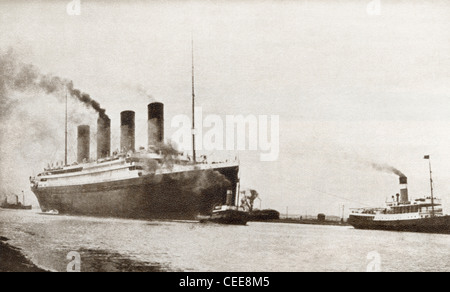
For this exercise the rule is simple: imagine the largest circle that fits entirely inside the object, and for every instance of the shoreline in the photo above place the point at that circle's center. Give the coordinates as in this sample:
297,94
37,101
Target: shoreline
305,221
13,260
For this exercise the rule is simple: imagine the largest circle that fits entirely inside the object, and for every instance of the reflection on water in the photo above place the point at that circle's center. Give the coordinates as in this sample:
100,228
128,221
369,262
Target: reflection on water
133,245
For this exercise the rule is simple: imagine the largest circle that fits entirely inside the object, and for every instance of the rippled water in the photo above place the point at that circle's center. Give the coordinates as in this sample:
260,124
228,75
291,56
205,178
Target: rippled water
132,245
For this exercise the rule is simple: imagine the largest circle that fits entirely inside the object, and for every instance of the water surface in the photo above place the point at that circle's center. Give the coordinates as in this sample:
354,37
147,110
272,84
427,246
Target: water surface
108,244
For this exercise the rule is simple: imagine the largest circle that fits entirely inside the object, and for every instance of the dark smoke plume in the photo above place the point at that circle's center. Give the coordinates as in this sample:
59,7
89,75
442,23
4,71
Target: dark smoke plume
31,129
87,100
387,168
18,76
202,182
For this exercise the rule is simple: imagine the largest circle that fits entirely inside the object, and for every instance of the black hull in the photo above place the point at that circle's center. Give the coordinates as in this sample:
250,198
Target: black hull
229,217
264,215
176,196
425,225
16,207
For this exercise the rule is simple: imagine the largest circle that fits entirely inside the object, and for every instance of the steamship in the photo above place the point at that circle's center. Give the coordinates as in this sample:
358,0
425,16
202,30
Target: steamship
143,184
153,183
16,205
400,214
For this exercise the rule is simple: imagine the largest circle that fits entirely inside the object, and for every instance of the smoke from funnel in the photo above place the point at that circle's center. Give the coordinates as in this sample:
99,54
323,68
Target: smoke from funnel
144,92
202,180
18,76
87,100
32,120
387,168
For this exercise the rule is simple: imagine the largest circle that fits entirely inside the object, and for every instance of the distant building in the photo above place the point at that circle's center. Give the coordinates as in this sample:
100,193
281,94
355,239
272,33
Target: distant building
321,217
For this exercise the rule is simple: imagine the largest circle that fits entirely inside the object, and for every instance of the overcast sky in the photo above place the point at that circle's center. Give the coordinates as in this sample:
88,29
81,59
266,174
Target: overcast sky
350,88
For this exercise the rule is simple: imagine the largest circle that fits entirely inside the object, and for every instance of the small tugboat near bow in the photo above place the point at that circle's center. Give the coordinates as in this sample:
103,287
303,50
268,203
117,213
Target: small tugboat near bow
226,214
401,214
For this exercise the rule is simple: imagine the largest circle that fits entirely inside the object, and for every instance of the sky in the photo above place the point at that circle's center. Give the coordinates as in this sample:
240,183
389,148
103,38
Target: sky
350,88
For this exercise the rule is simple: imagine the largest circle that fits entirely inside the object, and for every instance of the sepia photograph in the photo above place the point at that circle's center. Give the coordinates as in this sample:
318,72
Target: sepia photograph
234,137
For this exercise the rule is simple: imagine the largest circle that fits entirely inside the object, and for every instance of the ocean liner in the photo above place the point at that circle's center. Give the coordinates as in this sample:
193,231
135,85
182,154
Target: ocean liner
400,214
153,183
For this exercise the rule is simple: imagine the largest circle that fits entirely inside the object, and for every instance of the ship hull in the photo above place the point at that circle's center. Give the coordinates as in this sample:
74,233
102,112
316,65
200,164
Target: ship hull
177,196
228,217
439,224
16,207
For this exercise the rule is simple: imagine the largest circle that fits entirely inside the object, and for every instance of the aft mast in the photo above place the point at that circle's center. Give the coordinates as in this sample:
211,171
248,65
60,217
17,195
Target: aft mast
65,137
431,185
193,104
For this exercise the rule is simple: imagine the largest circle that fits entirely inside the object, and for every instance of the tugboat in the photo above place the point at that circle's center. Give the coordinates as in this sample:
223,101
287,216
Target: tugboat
227,214
400,214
